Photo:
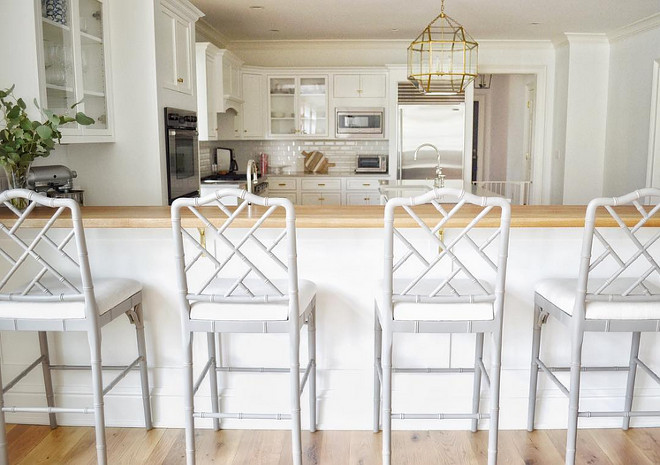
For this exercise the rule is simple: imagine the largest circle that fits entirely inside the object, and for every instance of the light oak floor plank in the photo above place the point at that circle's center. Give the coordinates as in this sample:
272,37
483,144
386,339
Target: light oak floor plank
35,445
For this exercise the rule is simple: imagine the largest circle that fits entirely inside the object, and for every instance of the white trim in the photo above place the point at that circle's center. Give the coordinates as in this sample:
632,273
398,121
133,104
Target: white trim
643,25
184,9
207,30
654,128
586,38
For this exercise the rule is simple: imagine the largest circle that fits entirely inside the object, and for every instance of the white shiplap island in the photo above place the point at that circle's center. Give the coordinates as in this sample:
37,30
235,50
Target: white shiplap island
340,248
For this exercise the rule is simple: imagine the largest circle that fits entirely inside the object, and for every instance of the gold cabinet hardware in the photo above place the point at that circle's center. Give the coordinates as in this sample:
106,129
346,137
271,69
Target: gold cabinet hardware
320,184
180,80
366,198
321,199
202,237
366,184
282,184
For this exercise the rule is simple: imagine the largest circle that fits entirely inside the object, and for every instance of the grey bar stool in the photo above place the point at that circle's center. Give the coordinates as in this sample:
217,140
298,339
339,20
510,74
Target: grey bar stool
625,300
442,294
245,287
45,288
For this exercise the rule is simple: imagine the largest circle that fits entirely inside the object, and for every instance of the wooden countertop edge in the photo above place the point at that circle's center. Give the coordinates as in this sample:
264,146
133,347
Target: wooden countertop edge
360,217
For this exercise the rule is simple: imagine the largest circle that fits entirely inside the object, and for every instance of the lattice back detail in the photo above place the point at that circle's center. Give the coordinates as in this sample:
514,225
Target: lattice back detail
53,281
450,286
617,285
252,284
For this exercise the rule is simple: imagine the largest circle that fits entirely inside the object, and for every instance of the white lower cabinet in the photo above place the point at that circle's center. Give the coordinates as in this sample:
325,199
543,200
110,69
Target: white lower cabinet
363,198
322,190
321,198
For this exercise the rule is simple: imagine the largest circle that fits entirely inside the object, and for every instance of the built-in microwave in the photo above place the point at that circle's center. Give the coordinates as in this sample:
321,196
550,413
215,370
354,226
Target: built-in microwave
359,122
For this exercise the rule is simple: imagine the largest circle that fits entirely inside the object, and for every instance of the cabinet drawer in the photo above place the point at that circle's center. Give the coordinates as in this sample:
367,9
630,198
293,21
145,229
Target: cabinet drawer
321,198
292,196
282,184
361,184
321,184
363,198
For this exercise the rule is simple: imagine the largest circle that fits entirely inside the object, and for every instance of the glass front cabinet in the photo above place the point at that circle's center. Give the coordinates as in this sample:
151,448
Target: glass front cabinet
298,106
74,65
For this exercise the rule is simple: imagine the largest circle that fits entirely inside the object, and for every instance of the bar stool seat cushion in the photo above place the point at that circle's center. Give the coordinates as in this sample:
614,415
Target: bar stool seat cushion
561,292
413,311
257,311
109,293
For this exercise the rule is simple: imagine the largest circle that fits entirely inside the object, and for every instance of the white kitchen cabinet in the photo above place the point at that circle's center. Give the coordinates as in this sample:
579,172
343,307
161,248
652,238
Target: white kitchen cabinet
359,85
175,40
363,198
230,124
253,106
208,100
230,79
321,198
298,106
74,66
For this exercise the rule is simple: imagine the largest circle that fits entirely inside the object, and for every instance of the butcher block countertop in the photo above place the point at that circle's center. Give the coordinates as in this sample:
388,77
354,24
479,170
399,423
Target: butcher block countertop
308,216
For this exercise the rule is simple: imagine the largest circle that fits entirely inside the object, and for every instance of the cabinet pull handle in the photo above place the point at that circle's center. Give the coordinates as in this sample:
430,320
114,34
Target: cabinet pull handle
321,198
366,184
321,184
180,80
366,198
282,184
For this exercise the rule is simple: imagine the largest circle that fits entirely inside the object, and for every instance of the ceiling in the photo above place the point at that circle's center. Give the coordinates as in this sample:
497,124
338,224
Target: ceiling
400,19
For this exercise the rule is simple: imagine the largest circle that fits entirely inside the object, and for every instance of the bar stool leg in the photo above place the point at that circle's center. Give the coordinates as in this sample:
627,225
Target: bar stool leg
632,371
294,372
378,343
4,456
386,361
534,371
311,348
48,380
213,379
574,392
94,337
188,404
476,387
144,372
493,430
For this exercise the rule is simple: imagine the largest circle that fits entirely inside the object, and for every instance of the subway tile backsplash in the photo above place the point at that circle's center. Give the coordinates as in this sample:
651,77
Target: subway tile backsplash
286,152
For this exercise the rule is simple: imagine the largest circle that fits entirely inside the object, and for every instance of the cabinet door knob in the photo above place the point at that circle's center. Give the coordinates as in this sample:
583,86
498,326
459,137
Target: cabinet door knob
180,80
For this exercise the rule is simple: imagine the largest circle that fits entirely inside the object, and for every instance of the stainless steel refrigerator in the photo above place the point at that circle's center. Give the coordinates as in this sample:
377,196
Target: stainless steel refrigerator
442,126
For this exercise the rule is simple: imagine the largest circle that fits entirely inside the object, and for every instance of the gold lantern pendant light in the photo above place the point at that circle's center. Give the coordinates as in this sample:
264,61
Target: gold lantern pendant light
442,60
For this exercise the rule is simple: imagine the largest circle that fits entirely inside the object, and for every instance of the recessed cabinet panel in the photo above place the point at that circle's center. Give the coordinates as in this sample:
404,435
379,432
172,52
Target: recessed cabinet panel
363,198
321,198
346,85
372,85
360,86
166,37
253,107
183,59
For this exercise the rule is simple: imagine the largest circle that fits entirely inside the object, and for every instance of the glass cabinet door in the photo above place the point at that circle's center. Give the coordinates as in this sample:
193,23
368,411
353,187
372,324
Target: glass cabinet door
312,106
74,65
282,95
59,74
92,61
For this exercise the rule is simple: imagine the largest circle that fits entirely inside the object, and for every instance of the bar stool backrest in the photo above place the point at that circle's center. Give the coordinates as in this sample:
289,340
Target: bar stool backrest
444,278
39,268
640,289
237,251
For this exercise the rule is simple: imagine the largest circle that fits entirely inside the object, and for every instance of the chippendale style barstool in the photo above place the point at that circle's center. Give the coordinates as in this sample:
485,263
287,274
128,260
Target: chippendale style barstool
242,286
624,298
46,288
458,289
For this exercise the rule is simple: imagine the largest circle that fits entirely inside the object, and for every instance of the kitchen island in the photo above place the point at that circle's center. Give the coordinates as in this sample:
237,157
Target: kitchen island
341,249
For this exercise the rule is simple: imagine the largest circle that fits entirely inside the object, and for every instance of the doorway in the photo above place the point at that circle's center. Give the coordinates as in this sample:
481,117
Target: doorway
504,135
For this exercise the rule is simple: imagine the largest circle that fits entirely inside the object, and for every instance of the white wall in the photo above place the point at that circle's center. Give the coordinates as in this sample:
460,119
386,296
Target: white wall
559,135
586,117
629,108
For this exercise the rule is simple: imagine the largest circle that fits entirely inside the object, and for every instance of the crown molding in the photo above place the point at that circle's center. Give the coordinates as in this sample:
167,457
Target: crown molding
643,25
217,37
586,38
184,8
369,44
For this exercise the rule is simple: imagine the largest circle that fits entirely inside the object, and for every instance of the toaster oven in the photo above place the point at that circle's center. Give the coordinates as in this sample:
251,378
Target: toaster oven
371,164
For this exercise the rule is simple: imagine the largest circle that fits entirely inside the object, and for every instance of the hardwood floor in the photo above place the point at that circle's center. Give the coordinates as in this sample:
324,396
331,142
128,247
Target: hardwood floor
33,445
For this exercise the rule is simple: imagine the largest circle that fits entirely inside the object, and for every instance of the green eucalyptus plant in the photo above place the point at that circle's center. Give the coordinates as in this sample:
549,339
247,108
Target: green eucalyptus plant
22,139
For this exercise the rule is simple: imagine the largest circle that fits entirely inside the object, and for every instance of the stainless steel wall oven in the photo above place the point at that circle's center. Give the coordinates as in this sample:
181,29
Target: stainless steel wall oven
182,155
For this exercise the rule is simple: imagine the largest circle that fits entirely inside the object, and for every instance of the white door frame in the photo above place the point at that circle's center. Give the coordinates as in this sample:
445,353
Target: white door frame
653,165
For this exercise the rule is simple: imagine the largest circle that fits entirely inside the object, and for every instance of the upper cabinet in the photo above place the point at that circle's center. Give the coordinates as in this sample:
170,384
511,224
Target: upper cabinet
253,106
230,79
175,38
75,65
360,85
298,106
